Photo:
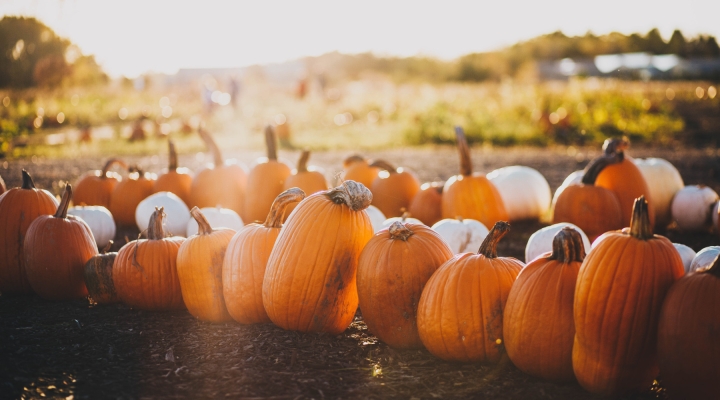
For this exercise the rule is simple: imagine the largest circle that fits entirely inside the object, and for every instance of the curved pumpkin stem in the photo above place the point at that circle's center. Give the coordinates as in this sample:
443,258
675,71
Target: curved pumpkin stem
27,180
277,209
212,146
107,247
464,149
488,248
616,146
640,227
172,157
204,227
109,164
384,165
271,143
353,194
64,203
437,186
398,230
714,268
303,161
568,246
593,169
353,159
155,226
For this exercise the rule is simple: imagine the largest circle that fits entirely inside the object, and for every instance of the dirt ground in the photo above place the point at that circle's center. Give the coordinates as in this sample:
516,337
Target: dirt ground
79,350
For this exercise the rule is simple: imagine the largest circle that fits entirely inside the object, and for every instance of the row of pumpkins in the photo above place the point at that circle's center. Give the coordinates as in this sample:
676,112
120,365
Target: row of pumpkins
566,316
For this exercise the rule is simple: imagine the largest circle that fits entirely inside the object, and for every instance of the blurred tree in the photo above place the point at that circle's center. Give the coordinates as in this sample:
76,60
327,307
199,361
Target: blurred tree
677,44
655,43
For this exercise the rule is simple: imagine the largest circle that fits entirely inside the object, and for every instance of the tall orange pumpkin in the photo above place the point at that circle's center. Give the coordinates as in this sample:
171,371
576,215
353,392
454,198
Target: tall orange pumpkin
19,207
175,180
471,195
246,259
310,180
199,267
620,289
265,181
310,281
460,314
145,270
538,321
393,189
95,188
128,194
56,249
357,168
392,271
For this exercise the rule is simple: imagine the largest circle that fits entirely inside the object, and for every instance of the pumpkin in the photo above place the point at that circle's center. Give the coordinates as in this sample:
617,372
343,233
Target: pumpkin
541,241
427,203
309,179
524,191
217,217
594,209
177,212
265,181
175,180
619,292
704,258
3,188
199,266
688,354
686,254
310,280
18,209
145,272
575,177
376,217
538,322
357,168
663,180
623,178
56,249
393,189
99,220
222,184
392,271
99,277
462,235
246,258
128,194
95,187
716,216
692,207
460,314
471,195
404,218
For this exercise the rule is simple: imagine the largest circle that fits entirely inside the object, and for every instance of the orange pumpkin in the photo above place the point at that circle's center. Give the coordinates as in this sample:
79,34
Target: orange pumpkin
246,258
392,271
18,209
460,314
56,249
128,194
357,168
99,277
471,195
538,321
427,203
265,181
620,289
393,189
175,180
145,270
310,180
310,280
199,266
95,188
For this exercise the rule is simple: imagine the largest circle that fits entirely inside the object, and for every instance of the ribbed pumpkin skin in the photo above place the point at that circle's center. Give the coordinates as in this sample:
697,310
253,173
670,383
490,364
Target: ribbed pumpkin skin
310,281
473,197
688,347
265,182
628,183
178,182
126,196
99,278
391,276
620,289
18,209
392,193
593,209
427,203
460,315
222,185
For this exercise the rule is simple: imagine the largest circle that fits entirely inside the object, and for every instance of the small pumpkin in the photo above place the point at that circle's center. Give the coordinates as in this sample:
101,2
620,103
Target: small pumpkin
525,191
663,180
541,241
357,168
265,181
686,254
427,203
95,187
177,212
99,277
393,189
99,220
462,235
128,194
175,180
704,258
309,179
692,207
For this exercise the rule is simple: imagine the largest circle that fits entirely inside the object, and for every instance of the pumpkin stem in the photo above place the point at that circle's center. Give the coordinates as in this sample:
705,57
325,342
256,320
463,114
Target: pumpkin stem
464,149
109,164
107,247
593,169
405,214
398,230
353,159
715,267
64,202
640,221
204,227
488,248
212,146
384,165
568,246
277,209
27,180
616,146
303,161
353,194
155,229
271,143
172,157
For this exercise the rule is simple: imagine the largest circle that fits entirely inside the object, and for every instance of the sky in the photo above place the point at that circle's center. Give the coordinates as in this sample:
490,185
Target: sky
132,37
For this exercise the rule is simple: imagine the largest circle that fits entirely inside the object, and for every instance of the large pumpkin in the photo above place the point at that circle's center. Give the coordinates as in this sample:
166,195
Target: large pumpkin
56,249
18,209
246,259
393,189
309,179
619,292
128,194
460,314
471,195
538,321
310,281
96,187
392,271
265,181
175,180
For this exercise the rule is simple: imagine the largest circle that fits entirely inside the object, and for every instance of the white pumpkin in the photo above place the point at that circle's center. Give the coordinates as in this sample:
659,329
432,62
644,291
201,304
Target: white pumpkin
376,217
462,235
691,207
541,241
217,217
686,254
663,180
524,191
390,221
704,258
175,209
99,220
714,213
